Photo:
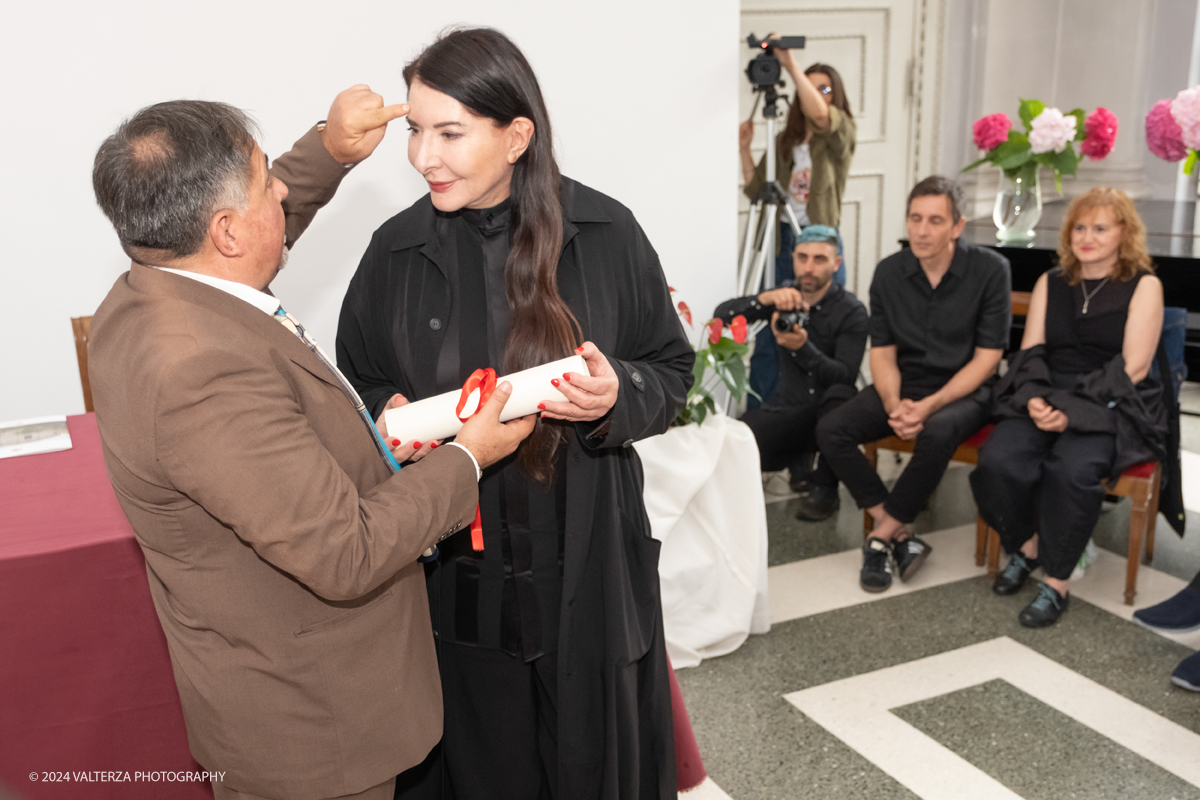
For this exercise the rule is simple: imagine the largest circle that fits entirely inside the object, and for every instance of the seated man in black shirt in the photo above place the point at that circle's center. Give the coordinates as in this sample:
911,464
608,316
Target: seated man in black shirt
940,313
824,352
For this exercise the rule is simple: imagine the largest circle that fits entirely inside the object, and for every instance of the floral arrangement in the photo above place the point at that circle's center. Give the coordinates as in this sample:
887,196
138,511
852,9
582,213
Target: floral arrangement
1048,140
1173,129
725,356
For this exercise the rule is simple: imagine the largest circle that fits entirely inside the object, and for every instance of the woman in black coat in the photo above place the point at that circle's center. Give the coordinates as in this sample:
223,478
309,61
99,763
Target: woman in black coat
551,649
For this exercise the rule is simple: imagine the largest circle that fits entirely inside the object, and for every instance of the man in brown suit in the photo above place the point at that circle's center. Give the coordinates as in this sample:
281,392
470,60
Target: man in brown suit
280,548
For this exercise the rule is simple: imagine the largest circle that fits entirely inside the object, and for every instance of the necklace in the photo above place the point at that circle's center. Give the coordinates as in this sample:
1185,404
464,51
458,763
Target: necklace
1087,296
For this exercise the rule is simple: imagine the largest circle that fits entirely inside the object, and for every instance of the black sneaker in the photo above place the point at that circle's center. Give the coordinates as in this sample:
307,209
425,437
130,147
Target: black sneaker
820,502
1177,614
1045,609
876,575
910,554
1013,577
1187,674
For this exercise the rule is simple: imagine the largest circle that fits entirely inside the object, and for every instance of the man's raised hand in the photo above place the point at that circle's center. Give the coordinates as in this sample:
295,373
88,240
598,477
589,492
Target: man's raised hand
356,124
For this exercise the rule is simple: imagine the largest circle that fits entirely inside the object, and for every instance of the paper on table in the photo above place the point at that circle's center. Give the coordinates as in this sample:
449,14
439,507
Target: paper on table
26,437
435,418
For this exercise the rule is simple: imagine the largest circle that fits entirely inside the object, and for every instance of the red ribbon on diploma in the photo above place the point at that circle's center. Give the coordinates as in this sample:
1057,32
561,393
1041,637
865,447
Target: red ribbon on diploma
483,380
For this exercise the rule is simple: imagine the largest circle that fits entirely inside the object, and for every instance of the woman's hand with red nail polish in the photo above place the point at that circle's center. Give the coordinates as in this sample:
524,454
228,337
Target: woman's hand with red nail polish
589,397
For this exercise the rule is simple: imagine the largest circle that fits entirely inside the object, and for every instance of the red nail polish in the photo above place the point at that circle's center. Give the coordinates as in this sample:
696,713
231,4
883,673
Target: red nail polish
395,442
433,445
554,381
579,349
542,406
416,445
567,377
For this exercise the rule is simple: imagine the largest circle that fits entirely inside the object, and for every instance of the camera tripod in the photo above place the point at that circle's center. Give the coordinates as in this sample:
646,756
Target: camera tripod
762,224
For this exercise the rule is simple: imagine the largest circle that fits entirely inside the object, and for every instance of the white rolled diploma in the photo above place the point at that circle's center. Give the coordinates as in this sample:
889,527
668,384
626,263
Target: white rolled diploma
435,417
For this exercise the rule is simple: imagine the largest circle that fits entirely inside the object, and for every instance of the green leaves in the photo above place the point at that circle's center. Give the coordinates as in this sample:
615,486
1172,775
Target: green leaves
720,364
1190,165
1029,110
1080,124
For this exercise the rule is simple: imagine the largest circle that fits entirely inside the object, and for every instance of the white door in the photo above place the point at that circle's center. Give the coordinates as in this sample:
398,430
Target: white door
889,68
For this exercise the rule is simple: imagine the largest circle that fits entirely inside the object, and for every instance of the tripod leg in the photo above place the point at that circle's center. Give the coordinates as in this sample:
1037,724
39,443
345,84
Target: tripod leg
748,247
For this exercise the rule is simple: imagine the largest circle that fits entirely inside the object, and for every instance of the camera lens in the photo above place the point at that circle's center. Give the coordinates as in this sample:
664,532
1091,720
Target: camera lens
764,70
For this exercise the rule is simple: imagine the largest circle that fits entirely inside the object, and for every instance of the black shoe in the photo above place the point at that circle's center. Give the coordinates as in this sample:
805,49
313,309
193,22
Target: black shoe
1045,609
1177,614
799,486
820,502
876,575
1013,577
910,554
1187,674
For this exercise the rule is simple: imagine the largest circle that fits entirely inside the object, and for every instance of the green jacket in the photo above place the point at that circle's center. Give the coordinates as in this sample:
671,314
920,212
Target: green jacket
831,150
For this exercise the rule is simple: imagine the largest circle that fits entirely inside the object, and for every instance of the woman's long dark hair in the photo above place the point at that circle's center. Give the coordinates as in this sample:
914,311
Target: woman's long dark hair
795,129
482,69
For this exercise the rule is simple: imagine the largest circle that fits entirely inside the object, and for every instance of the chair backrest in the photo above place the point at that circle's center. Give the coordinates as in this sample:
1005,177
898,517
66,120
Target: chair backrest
82,326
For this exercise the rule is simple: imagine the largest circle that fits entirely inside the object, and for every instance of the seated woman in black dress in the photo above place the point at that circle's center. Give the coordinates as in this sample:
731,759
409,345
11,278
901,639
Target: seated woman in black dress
1071,398
555,680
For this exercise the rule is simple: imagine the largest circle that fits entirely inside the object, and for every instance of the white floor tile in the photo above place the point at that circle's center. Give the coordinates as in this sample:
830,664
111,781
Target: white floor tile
827,583
857,711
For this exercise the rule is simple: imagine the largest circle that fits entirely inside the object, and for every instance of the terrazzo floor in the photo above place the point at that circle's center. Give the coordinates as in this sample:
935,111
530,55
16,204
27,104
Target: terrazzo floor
933,689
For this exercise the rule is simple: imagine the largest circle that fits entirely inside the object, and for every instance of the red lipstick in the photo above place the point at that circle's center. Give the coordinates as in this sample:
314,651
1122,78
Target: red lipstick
440,187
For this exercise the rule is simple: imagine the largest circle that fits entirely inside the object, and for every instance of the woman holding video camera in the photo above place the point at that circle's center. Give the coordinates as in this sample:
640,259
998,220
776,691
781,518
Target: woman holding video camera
812,161
554,672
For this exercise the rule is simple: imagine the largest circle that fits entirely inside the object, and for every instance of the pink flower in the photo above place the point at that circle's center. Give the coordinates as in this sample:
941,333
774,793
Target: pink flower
1185,108
685,312
1163,136
991,131
1101,129
714,330
1051,131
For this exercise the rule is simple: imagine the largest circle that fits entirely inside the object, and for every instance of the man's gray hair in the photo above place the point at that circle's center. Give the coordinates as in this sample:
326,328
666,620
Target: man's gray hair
168,169
935,185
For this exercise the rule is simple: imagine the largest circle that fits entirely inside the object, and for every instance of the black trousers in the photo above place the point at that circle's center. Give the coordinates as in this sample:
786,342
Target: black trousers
500,739
1033,481
863,419
787,438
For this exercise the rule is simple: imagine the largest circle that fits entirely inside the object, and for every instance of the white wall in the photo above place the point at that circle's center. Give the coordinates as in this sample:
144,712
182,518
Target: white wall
648,120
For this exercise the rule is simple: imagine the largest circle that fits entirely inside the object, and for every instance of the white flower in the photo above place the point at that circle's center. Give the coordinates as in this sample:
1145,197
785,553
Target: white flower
1050,130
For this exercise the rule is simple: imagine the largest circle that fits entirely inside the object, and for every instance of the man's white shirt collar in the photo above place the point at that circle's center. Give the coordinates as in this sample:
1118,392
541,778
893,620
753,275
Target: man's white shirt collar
264,302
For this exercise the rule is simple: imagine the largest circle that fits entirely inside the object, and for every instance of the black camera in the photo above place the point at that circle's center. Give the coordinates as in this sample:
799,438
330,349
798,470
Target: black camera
764,69
787,319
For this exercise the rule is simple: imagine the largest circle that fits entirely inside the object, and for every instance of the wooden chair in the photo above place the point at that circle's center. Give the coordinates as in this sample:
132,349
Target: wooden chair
1142,484
82,326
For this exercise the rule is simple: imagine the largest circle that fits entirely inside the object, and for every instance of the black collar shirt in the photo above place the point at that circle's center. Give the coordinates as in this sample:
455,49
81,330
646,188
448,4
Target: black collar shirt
837,336
935,331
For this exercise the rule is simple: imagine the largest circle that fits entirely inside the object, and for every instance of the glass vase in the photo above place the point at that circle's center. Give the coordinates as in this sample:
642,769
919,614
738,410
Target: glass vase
1018,206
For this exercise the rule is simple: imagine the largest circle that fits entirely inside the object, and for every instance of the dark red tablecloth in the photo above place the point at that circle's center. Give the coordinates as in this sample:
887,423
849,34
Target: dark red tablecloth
85,679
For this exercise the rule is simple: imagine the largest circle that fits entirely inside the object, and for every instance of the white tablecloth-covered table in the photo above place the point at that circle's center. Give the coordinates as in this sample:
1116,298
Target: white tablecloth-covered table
704,498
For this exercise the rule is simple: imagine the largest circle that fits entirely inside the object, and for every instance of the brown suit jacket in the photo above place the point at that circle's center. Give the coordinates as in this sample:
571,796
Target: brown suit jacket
281,555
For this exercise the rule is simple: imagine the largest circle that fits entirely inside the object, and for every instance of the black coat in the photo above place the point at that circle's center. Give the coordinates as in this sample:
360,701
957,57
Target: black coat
615,736
1143,418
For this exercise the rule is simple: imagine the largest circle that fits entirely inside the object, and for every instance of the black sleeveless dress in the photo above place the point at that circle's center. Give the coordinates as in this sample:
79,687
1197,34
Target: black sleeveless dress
1079,342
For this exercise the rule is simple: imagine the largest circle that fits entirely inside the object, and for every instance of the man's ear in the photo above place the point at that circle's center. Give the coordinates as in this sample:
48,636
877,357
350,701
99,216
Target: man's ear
520,131
958,227
222,233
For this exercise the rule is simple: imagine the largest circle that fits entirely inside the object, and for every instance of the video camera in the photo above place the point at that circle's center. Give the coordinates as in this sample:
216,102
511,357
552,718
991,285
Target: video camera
764,69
